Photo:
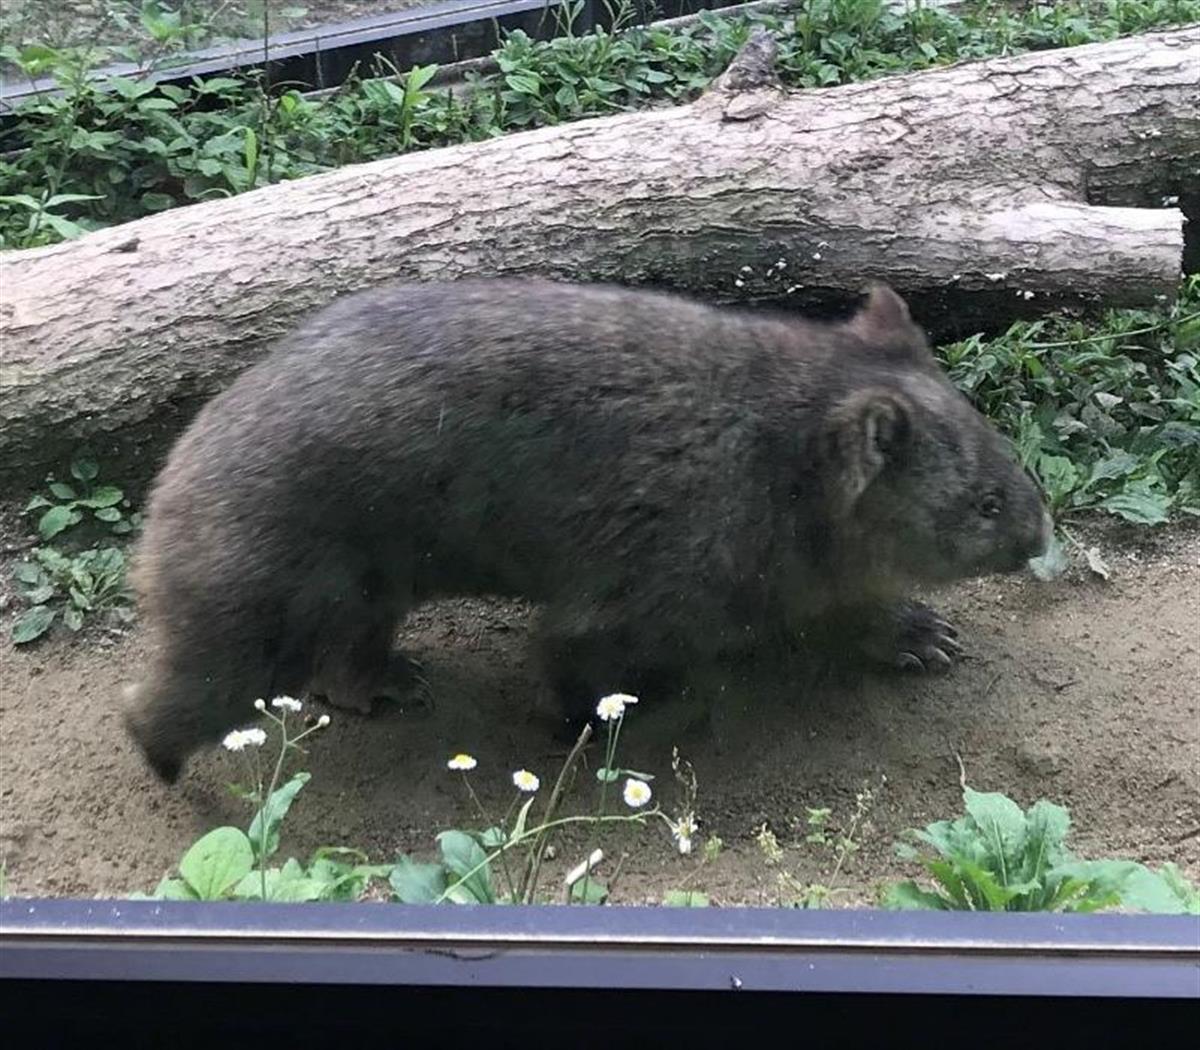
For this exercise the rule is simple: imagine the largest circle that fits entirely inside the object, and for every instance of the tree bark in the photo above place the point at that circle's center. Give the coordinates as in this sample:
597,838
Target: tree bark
988,190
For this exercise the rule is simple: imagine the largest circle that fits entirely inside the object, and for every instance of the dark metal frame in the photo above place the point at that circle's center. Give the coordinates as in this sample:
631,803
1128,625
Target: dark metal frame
665,949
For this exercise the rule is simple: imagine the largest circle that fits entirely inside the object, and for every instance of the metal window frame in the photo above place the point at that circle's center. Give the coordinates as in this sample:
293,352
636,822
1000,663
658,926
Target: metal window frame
601,949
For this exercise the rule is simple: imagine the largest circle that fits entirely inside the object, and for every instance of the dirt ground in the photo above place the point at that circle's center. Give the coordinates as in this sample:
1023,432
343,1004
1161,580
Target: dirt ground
1081,691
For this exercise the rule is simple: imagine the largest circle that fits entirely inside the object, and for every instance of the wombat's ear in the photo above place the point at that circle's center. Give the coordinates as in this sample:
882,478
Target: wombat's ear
865,433
883,321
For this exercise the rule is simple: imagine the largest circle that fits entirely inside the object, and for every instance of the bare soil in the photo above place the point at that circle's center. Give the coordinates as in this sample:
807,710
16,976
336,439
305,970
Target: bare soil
1082,691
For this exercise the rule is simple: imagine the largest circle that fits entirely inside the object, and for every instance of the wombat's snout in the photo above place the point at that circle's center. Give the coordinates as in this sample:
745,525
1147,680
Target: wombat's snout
1039,541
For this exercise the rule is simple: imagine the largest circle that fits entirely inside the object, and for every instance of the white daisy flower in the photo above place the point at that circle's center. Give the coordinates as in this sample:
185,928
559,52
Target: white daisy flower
286,703
322,722
684,832
526,781
613,706
239,739
260,704
637,793
462,762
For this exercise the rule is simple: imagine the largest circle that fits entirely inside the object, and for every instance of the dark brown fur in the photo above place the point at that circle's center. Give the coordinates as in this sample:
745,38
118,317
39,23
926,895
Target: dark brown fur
671,481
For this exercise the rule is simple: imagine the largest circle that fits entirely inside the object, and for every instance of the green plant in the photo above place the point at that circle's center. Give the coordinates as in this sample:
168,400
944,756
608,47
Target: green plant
466,873
840,843
66,504
998,858
1106,416
43,217
75,585
228,863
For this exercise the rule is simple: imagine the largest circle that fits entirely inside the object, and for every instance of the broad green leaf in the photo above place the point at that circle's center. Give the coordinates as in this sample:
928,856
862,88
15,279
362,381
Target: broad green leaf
908,896
273,812
1105,880
1120,464
492,838
108,514
130,89
1058,475
31,624
414,883
73,617
174,890
28,572
1142,508
589,890
342,880
287,884
1046,830
462,855
951,881
1165,892
685,899
61,490
217,862
55,520
419,76
524,83
1003,825
103,496
65,228
984,889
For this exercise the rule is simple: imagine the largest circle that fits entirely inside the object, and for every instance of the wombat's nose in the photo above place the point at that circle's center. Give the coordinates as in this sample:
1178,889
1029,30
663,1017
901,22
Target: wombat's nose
1045,535
1039,541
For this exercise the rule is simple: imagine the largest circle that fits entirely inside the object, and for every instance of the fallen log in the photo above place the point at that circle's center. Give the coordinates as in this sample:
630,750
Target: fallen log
994,189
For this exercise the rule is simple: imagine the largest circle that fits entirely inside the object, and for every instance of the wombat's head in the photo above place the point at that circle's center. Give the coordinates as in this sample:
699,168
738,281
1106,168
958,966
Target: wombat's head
931,489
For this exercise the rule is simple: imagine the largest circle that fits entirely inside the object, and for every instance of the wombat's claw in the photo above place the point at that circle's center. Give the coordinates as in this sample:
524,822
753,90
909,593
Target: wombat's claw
422,692
926,642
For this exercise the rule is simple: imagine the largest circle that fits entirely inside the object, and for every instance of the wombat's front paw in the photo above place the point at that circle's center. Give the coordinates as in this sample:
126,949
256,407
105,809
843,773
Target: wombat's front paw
912,636
924,641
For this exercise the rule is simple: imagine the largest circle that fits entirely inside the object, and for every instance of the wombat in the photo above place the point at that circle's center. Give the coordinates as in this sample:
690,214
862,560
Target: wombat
671,481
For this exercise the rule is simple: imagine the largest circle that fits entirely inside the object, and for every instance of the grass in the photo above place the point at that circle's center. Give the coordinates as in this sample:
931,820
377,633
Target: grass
1105,414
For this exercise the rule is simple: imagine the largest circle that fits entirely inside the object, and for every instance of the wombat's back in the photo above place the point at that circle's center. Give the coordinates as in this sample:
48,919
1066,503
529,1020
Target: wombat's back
475,413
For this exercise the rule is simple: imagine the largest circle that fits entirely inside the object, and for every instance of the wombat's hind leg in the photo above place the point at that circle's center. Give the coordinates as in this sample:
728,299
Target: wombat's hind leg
911,636
398,679
357,663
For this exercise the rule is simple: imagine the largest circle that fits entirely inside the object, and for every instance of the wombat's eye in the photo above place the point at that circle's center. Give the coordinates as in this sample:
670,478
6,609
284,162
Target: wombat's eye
991,505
